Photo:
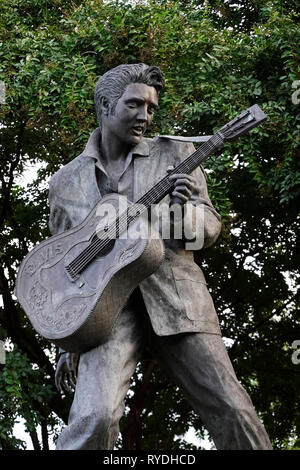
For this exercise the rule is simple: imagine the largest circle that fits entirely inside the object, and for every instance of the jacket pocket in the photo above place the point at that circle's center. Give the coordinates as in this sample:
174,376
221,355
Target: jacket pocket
192,290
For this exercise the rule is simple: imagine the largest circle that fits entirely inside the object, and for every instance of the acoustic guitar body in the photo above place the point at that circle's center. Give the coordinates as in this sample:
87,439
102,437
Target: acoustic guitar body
79,314
74,300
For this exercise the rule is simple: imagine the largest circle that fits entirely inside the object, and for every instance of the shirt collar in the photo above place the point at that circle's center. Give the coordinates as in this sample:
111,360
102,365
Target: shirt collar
93,146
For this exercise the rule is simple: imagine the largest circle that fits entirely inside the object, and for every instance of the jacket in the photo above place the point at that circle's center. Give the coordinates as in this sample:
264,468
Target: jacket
176,295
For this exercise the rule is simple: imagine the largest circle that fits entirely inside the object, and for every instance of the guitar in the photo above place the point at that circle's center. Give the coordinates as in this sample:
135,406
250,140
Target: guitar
73,285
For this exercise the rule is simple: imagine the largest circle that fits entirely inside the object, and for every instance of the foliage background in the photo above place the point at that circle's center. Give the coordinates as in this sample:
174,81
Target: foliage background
219,58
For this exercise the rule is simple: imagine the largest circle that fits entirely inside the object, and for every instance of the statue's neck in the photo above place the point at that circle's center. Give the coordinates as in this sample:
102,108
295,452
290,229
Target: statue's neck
112,148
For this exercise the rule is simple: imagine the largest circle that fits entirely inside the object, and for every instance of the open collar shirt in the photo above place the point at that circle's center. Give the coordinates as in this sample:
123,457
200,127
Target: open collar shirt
106,182
176,296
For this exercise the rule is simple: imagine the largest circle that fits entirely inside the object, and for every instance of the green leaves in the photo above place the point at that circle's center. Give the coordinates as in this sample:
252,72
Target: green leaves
23,393
218,60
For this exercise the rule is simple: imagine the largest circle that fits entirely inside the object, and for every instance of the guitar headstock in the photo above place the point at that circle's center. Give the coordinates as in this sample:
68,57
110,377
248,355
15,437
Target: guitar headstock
243,123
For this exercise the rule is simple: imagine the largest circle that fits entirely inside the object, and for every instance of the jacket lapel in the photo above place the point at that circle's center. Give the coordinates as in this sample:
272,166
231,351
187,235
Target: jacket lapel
88,181
144,168
87,170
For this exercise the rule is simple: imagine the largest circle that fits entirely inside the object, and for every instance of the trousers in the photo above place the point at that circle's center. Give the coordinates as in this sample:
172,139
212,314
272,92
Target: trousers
198,363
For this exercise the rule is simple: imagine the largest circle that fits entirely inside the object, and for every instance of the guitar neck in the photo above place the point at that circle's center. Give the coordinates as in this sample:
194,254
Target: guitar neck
240,125
153,196
164,186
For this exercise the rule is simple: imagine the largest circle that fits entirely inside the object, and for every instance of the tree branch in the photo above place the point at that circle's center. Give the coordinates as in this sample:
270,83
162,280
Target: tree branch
162,444
44,434
6,188
28,343
133,429
34,439
256,327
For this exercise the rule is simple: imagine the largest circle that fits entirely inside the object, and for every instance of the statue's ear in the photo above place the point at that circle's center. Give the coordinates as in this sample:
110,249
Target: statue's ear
105,106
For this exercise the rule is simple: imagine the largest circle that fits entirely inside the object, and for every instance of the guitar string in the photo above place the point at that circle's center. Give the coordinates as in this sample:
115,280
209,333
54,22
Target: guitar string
86,256
99,243
91,250
157,191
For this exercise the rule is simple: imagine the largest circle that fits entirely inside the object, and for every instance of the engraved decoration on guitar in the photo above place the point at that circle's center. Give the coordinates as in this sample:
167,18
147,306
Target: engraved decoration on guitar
37,297
30,268
67,316
43,256
58,320
127,253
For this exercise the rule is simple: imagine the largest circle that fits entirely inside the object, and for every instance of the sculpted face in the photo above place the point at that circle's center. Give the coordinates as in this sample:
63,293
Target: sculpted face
133,114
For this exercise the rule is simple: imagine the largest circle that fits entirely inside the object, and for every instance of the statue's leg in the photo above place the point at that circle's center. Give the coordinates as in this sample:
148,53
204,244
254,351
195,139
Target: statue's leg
103,380
200,365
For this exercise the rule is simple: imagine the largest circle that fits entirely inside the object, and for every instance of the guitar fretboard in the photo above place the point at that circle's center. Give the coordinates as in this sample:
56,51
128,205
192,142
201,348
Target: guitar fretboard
153,196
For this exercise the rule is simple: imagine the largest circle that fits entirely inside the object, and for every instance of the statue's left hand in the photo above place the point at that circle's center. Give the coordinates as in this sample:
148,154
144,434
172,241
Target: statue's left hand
184,186
66,372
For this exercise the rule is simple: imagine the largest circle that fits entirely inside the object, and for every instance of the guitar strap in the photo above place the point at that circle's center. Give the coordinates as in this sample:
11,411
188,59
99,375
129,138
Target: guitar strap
200,138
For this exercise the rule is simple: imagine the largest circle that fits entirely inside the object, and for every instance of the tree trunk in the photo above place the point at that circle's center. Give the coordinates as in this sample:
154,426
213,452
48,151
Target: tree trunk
35,440
44,435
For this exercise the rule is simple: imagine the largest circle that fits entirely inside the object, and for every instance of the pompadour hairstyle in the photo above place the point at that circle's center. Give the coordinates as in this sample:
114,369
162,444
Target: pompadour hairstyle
112,84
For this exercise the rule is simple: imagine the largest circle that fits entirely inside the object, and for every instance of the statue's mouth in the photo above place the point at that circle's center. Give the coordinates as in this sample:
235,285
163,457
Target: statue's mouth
138,130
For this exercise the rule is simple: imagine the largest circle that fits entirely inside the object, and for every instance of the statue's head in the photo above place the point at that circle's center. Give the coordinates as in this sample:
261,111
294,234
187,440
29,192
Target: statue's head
112,84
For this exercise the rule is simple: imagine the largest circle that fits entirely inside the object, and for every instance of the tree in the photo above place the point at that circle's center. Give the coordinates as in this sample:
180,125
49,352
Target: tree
218,60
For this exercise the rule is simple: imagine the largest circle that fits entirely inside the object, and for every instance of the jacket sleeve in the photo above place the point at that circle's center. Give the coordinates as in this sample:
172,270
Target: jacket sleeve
202,223
59,221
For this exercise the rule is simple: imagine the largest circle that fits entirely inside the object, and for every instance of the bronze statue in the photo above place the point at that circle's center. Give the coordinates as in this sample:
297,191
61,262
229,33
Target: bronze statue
171,313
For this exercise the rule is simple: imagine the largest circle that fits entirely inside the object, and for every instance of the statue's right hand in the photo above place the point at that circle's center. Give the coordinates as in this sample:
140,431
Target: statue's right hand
66,372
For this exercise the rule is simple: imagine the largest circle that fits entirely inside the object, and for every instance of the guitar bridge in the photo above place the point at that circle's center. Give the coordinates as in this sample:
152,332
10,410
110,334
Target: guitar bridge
72,276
